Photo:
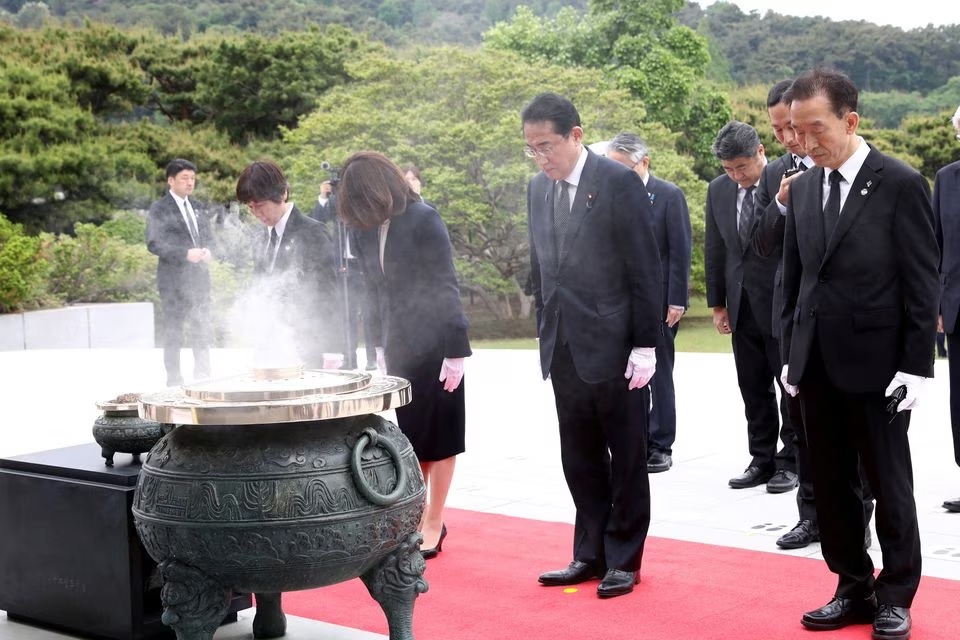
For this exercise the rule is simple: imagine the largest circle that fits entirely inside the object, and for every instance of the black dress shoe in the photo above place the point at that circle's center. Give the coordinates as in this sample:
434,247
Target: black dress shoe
803,534
782,481
751,477
617,583
841,612
575,573
952,505
659,462
892,622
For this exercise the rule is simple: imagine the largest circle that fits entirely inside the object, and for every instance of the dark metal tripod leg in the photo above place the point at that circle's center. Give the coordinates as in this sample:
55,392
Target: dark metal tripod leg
395,584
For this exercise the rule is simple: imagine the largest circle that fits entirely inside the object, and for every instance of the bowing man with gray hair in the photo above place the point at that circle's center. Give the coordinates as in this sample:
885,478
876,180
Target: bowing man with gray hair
671,226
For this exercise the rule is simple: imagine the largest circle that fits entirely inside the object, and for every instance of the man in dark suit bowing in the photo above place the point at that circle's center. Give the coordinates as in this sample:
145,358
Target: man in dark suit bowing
773,190
295,265
596,285
671,227
181,240
739,286
861,293
946,210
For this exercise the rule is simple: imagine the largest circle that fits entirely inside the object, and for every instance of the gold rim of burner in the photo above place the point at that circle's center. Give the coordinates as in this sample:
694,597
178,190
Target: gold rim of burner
117,407
277,373
227,390
171,407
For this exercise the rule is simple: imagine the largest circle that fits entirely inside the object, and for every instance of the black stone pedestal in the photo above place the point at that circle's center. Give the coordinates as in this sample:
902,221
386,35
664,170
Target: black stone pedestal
70,557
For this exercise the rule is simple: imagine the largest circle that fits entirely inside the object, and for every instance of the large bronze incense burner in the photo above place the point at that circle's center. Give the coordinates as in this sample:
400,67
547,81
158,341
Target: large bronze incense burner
279,480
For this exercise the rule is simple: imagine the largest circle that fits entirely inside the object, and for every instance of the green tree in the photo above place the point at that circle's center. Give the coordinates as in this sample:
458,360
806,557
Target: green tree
56,164
456,114
252,86
642,47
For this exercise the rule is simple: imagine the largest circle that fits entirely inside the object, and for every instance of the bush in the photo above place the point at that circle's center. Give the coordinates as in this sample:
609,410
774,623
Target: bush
23,269
129,226
96,266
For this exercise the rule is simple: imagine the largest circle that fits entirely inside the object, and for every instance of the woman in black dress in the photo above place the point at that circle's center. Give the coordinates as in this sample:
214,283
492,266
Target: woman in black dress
413,297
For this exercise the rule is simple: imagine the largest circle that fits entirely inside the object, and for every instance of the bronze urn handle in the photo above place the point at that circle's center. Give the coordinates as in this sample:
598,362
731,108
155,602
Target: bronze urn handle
371,437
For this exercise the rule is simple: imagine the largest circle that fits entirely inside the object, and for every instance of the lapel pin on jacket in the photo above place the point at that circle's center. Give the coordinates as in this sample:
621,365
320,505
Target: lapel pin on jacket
590,200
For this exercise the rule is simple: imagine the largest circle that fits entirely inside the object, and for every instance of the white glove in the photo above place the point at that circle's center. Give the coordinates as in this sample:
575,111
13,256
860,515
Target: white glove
914,386
381,362
451,373
641,365
332,360
792,389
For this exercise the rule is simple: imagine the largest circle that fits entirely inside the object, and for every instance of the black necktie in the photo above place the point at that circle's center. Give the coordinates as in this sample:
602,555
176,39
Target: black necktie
831,212
561,213
798,163
745,226
272,246
192,223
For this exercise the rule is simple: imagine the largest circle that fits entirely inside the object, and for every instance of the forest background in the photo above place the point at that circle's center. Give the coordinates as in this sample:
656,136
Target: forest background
96,96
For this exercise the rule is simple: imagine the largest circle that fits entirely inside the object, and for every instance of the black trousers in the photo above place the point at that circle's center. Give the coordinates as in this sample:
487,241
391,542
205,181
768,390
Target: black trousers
806,494
953,362
845,430
757,357
194,312
663,415
356,295
603,450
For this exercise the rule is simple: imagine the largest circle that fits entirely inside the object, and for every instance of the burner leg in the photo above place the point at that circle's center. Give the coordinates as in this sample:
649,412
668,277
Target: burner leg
193,604
395,584
270,621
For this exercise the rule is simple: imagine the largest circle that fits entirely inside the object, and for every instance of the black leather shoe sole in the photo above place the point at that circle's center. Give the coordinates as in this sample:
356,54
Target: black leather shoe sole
576,573
838,614
659,463
952,506
782,482
892,622
797,539
617,583
750,479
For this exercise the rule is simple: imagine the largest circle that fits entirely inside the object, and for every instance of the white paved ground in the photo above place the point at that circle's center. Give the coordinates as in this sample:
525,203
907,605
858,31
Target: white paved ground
512,461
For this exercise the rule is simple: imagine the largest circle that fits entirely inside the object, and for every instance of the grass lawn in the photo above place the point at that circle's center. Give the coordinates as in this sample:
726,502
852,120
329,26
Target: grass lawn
697,334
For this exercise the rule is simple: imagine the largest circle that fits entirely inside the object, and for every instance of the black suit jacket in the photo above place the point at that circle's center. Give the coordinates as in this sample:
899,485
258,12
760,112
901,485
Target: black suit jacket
168,238
671,227
946,211
304,282
869,294
731,269
603,295
768,234
413,302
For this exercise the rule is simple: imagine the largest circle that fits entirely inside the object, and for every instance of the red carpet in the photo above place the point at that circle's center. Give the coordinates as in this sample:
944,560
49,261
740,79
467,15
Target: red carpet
484,586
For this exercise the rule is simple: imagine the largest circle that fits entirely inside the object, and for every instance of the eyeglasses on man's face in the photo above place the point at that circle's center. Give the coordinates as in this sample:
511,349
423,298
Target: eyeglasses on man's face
544,150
